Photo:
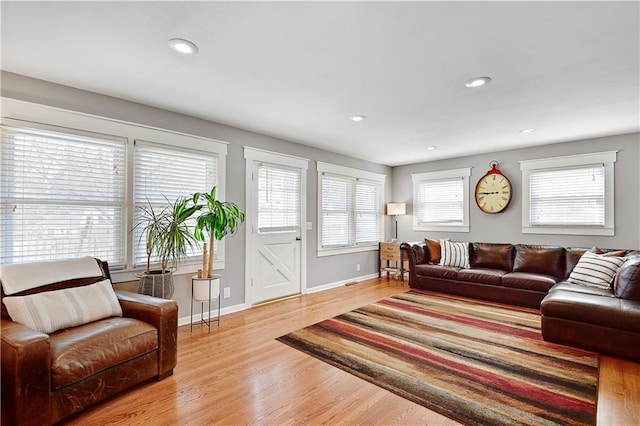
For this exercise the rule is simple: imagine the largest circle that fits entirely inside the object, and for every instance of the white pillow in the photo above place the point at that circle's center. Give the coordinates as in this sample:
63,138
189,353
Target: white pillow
54,310
595,270
454,254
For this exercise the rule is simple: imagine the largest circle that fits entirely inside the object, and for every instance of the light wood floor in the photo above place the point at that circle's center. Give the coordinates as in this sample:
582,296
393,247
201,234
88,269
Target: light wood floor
239,374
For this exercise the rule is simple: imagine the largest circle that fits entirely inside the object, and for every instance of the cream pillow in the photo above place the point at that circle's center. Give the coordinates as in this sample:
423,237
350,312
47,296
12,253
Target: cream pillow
596,270
454,254
58,309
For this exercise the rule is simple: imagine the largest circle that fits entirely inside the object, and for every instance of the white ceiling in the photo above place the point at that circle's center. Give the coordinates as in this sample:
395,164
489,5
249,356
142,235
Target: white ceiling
298,70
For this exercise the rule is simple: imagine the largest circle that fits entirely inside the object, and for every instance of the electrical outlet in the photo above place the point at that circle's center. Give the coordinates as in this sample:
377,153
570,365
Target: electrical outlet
357,267
227,292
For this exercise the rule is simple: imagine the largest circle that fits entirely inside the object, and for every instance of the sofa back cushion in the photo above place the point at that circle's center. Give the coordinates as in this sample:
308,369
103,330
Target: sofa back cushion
545,260
491,256
626,285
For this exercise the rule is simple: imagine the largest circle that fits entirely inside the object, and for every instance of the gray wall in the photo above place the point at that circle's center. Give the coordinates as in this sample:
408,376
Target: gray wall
320,271
507,226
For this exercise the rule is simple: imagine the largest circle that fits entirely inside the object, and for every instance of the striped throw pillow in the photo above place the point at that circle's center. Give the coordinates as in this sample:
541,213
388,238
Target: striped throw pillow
454,254
54,310
595,270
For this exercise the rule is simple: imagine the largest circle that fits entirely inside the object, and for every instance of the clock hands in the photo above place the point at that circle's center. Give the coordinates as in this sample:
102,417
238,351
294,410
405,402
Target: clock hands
489,193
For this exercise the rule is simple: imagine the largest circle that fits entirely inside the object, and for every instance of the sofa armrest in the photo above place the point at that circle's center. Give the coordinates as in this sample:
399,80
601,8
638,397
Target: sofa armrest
417,254
26,385
162,314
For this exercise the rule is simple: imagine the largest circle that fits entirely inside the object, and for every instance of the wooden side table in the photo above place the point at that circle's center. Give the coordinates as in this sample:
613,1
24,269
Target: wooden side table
390,252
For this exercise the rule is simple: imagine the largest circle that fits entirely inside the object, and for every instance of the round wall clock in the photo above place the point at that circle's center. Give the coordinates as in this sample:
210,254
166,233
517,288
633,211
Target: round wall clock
493,191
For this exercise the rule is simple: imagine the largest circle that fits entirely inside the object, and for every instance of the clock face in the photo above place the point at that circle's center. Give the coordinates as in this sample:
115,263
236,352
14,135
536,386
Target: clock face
493,193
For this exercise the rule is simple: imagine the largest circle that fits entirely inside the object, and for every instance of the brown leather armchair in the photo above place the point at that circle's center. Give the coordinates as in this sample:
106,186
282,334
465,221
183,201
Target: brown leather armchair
49,377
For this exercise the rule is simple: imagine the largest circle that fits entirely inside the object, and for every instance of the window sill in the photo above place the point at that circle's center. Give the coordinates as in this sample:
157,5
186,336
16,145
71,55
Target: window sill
186,268
345,250
441,228
584,230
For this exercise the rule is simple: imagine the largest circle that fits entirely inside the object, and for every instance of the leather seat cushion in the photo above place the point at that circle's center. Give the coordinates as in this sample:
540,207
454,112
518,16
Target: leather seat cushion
565,285
609,312
437,271
528,281
481,275
80,352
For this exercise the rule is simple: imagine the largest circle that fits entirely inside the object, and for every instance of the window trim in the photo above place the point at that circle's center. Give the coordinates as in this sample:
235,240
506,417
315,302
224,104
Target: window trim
350,173
607,158
462,173
28,114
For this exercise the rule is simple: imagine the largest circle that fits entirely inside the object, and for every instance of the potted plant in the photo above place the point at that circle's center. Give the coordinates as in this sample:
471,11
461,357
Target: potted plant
168,238
218,219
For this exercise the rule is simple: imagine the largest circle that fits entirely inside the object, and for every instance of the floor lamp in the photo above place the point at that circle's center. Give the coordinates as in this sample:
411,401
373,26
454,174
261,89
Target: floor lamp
396,209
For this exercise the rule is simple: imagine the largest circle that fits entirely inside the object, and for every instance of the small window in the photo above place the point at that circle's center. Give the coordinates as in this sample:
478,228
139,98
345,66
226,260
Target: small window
441,201
569,195
351,209
63,195
162,174
278,199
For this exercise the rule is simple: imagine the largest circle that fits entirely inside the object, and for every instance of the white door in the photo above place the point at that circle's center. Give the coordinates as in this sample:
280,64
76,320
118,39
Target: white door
275,233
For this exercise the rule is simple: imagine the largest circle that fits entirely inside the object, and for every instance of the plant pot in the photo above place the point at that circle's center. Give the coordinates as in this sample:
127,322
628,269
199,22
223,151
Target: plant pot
156,283
201,288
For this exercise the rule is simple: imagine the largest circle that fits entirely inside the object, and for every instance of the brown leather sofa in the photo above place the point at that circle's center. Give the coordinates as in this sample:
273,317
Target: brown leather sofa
48,377
604,320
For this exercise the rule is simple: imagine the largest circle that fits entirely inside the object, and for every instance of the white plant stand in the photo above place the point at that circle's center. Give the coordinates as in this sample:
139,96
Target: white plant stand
205,290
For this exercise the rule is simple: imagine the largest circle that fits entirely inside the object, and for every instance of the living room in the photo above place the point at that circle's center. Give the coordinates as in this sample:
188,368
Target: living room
573,113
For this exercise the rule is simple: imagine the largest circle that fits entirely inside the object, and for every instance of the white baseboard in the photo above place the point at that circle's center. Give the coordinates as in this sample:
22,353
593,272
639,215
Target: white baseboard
224,311
242,306
329,286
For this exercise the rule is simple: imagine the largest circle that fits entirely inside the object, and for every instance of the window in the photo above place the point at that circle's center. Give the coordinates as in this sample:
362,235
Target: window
569,195
441,200
278,199
70,190
164,173
351,209
63,195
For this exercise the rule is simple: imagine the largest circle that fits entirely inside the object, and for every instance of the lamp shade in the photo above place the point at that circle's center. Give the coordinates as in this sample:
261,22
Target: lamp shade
396,208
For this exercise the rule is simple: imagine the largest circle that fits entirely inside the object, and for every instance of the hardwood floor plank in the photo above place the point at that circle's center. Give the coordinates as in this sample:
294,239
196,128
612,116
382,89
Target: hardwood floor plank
239,374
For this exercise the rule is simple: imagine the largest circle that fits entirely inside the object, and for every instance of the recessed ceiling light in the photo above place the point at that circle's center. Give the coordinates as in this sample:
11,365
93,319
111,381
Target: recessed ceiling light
357,118
478,81
183,46
431,148
526,131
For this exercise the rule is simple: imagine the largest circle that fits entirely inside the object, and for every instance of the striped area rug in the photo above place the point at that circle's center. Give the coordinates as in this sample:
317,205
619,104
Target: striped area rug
475,362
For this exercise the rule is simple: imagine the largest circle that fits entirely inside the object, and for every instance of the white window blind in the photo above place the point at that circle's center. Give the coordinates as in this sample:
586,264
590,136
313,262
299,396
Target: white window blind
63,195
278,199
164,173
351,211
440,202
337,220
568,197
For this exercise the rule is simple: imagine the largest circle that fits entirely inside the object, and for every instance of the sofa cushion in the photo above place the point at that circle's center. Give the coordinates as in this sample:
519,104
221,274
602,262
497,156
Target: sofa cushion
491,256
80,352
54,310
437,271
595,270
454,254
481,275
528,281
567,286
545,260
627,282
611,312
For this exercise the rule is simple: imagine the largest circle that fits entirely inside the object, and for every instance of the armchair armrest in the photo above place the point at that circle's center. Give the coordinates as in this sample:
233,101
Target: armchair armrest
162,314
26,383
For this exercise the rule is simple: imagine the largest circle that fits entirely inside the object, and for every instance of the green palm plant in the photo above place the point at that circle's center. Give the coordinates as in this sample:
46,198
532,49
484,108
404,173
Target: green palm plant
166,233
219,219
